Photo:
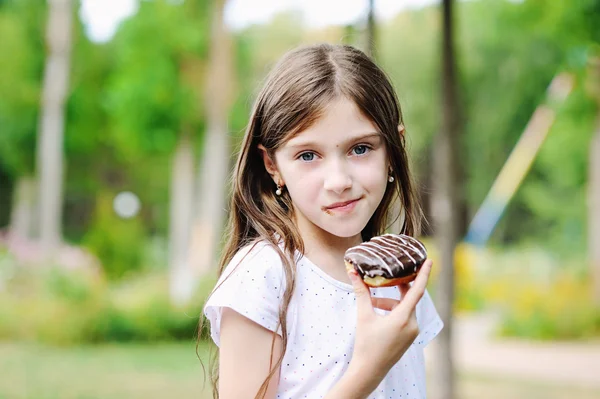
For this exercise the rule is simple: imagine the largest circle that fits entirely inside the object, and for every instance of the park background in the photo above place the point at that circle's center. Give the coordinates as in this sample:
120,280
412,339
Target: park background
115,155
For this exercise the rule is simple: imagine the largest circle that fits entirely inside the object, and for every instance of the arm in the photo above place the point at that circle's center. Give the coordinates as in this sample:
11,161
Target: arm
392,334
245,357
246,346
354,384
244,362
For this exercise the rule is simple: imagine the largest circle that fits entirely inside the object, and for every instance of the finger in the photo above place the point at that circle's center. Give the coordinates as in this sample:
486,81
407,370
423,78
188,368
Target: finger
416,291
363,295
403,289
384,303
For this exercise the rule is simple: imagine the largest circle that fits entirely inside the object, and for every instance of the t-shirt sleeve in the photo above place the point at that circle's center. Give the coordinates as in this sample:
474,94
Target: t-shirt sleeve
430,323
252,284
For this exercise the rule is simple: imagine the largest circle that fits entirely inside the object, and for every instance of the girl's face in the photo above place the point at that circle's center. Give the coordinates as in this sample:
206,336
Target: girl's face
336,172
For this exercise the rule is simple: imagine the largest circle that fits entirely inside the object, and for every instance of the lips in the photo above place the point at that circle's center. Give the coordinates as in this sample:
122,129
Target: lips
340,204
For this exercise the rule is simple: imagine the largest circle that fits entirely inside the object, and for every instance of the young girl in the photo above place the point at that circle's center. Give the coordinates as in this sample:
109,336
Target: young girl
321,162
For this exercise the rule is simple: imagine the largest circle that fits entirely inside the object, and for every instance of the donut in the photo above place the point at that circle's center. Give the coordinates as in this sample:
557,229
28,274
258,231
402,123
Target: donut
387,260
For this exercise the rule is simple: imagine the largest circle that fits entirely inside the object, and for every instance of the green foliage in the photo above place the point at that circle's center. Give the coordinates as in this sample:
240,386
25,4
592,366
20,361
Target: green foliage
509,53
555,194
21,67
118,243
144,91
69,308
412,67
537,295
131,98
155,90
87,122
141,311
563,310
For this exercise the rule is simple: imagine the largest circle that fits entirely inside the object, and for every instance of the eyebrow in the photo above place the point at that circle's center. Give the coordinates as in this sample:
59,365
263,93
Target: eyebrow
344,143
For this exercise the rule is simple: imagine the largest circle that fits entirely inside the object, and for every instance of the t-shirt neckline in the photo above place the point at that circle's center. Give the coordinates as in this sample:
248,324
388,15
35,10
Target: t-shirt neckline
339,284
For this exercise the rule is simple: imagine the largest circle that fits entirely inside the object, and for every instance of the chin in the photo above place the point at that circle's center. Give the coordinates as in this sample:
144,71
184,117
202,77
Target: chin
344,230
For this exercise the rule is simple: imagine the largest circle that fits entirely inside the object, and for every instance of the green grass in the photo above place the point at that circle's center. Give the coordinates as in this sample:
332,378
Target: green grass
172,370
148,371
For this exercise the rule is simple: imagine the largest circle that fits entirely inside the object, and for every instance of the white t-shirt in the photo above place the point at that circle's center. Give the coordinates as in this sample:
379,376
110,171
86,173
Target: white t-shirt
321,324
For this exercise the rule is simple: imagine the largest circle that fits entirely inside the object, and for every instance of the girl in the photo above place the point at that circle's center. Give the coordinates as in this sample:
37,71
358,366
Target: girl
321,162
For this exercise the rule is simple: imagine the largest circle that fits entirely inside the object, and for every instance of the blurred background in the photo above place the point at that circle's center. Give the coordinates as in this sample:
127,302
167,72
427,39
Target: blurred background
119,124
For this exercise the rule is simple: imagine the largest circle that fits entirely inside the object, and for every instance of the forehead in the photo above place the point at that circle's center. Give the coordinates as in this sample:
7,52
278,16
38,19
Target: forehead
339,121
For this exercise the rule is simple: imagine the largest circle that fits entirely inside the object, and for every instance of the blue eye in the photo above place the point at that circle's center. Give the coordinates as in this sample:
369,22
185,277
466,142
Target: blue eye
307,156
361,149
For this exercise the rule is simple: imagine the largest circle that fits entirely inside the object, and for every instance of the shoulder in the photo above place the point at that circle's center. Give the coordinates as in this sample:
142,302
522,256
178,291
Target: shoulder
255,271
259,258
252,285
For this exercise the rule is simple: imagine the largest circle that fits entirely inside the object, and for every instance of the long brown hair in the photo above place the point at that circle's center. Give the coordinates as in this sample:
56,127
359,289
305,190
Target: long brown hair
293,97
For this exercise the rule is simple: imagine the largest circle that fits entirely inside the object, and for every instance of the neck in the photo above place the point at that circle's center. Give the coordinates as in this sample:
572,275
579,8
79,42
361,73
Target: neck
319,243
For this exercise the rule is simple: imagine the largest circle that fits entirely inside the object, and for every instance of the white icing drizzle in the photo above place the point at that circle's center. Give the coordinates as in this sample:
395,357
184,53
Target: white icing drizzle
388,245
396,247
412,243
356,264
383,263
383,249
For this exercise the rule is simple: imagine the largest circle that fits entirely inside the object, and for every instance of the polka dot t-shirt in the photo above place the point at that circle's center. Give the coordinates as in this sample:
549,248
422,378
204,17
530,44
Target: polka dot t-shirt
321,324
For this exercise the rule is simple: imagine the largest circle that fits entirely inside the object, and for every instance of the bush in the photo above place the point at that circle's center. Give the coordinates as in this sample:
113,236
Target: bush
140,310
66,308
118,243
562,310
539,296
50,305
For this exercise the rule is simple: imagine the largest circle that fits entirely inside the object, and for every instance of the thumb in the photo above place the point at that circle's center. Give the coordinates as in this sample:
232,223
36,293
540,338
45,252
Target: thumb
363,295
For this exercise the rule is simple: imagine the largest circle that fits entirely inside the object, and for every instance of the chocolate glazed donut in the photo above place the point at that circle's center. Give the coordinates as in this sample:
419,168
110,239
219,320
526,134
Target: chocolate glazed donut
387,260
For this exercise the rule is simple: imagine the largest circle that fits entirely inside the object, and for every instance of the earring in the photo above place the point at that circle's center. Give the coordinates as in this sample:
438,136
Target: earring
278,191
391,178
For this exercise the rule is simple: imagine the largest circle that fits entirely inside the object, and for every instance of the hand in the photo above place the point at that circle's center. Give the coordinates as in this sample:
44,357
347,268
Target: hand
382,340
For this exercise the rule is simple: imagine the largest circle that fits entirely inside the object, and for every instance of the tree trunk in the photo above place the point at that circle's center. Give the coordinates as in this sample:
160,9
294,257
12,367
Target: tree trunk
445,209
371,36
594,212
23,208
214,164
181,205
51,123
424,183
396,217
593,88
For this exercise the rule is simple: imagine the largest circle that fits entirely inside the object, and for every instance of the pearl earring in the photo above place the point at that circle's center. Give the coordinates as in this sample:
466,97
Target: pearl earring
278,191
391,179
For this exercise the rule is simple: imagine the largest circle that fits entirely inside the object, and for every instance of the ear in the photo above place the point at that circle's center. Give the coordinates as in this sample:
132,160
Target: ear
401,129
270,165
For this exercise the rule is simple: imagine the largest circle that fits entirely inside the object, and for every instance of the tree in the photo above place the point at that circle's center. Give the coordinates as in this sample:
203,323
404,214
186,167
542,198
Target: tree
416,82
51,123
214,164
446,205
524,45
153,103
21,68
594,183
371,36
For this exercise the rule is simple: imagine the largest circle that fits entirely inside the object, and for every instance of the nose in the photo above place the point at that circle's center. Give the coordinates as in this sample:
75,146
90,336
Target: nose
337,177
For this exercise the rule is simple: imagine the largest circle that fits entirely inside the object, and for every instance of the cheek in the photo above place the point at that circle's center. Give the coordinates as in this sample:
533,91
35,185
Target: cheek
303,185
374,175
